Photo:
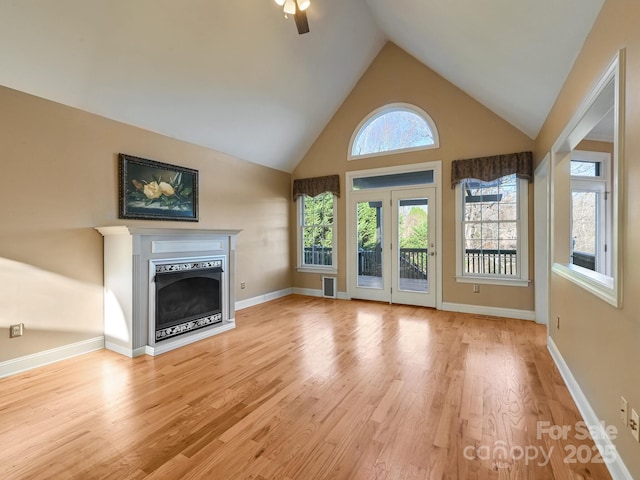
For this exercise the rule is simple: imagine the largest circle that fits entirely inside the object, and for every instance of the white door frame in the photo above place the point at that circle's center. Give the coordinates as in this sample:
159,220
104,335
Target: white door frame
542,191
405,296
370,293
436,166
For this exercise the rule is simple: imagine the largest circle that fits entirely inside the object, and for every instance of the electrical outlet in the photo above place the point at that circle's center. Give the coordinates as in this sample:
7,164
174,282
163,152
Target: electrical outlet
16,330
624,411
243,285
634,424
476,289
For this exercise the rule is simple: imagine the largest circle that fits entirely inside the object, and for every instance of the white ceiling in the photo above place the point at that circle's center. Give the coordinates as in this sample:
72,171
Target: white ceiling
604,131
236,77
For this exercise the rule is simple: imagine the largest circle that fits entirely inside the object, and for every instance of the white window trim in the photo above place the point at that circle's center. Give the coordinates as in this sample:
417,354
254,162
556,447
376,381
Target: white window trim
606,287
333,269
391,107
521,280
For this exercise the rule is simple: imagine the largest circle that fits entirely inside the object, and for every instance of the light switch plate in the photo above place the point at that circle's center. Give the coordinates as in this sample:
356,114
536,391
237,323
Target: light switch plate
624,411
635,423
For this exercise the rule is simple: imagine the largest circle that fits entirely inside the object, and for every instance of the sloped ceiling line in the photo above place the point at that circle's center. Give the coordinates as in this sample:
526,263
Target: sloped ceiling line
237,78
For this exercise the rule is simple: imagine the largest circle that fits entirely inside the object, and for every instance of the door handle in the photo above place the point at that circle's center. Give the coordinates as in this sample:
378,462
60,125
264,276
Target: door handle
432,254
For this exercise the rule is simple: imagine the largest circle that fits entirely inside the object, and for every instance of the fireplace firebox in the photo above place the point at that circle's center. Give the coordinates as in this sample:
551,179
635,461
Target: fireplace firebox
188,297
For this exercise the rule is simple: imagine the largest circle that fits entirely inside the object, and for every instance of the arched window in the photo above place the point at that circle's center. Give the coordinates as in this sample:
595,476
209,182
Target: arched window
397,127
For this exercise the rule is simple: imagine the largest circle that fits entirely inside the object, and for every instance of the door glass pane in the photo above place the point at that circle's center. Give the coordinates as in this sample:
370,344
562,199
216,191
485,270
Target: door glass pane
369,228
584,228
413,233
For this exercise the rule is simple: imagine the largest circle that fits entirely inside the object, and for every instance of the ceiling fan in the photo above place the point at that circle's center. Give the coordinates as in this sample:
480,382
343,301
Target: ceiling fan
297,8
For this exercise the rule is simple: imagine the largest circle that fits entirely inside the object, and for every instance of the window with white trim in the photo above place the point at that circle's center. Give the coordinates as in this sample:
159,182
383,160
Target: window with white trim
590,211
599,118
492,231
316,233
396,127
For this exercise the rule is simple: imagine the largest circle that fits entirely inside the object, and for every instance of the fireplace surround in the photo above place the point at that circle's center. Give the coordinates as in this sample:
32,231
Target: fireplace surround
165,288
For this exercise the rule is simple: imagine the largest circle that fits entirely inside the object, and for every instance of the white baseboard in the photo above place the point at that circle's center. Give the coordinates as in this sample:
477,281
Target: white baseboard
312,292
28,362
617,468
491,311
250,302
126,351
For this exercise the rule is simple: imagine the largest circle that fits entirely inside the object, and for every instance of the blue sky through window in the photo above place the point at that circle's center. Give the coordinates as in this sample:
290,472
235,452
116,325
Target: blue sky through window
392,130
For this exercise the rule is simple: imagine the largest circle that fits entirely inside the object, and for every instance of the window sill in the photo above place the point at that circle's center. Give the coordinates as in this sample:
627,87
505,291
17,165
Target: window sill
310,269
602,286
505,282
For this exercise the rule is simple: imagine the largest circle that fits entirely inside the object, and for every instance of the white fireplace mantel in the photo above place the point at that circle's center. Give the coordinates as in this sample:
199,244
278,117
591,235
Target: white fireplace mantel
129,257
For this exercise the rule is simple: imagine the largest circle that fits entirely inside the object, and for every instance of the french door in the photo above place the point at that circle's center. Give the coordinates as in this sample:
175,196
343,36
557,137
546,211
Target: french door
392,246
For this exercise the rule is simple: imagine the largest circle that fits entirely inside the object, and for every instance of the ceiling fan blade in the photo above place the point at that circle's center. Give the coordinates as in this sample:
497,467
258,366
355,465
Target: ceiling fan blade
301,21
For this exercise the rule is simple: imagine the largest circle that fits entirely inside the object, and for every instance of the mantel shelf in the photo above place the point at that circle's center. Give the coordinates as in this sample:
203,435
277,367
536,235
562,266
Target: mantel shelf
142,230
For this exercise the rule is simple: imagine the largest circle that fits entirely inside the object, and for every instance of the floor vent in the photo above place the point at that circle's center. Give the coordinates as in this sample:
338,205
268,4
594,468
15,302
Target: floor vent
329,287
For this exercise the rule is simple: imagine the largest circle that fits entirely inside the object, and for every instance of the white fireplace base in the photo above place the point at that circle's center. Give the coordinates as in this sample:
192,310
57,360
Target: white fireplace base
183,340
130,256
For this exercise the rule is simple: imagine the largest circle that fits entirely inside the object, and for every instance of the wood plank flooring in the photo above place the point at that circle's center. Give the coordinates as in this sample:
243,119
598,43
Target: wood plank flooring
304,388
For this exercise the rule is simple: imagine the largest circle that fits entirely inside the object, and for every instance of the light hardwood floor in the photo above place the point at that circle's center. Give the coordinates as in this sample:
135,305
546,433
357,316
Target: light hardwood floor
304,388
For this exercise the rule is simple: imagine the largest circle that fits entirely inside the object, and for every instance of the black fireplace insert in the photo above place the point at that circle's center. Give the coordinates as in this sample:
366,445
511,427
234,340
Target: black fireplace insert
188,297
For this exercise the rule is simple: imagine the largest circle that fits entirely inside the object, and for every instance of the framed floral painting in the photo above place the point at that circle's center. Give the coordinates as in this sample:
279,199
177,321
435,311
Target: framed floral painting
151,190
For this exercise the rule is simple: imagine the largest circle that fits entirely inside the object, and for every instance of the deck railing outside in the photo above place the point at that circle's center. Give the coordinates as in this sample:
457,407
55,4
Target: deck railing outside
413,261
317,256
370,262
585,260
493,262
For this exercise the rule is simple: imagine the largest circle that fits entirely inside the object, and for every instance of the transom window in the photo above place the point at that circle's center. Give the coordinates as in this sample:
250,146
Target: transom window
583,168
405,179
394,128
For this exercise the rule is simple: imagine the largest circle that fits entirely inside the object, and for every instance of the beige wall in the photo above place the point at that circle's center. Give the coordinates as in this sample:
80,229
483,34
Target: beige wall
595,146
466,129
600,343
59,180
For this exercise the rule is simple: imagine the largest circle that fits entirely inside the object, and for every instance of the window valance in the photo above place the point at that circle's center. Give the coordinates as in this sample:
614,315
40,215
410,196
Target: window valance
316,185
492,168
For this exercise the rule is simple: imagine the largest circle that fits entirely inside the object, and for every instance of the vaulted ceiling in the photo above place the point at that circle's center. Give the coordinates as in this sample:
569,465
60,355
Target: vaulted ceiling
236,77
